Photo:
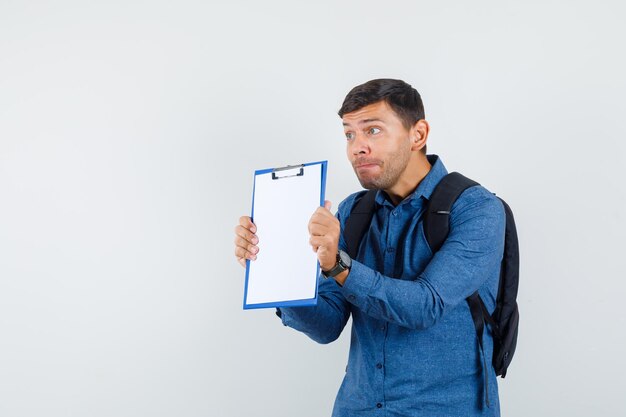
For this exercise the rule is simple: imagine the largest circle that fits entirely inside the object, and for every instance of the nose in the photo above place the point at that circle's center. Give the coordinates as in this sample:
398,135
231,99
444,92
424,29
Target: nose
360,145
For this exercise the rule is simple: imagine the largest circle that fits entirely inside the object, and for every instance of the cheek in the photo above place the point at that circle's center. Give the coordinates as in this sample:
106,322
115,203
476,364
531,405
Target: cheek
349,149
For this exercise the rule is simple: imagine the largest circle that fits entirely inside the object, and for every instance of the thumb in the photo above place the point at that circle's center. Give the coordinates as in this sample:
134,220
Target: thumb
327,205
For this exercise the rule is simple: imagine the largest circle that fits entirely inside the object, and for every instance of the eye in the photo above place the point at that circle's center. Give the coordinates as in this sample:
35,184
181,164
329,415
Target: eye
349,135
373,130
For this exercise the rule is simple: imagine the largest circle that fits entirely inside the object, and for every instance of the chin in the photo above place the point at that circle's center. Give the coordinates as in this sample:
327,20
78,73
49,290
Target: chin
368,184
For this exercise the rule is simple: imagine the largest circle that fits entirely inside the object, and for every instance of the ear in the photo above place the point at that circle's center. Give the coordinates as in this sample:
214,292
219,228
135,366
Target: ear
419,134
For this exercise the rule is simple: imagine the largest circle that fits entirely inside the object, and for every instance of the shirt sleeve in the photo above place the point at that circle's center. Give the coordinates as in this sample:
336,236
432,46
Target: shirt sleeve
471,253
323,322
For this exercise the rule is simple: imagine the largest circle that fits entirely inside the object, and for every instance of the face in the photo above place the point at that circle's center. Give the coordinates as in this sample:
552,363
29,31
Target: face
378,145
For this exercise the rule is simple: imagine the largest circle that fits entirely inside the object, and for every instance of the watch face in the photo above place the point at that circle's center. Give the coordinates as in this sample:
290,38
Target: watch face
345,258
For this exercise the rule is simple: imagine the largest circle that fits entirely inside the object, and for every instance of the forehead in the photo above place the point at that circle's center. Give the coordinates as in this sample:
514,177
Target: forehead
379,111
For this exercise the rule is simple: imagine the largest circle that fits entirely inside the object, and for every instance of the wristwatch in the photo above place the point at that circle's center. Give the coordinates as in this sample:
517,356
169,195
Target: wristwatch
343,262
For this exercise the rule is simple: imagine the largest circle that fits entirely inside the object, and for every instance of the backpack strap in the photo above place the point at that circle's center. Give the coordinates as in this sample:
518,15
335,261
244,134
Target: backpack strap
359,221
436,229
437,215
479,314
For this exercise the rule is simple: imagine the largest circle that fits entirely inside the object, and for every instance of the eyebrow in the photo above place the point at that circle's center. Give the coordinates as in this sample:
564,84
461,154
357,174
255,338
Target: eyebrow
364,121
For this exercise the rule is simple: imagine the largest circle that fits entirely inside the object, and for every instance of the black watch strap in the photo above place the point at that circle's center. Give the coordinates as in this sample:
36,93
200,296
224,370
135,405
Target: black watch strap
343,263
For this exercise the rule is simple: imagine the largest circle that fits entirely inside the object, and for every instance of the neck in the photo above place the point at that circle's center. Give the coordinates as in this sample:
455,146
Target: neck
417,168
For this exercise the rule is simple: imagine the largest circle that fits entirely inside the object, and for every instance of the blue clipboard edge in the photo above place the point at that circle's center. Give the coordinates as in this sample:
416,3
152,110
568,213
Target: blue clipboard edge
290,303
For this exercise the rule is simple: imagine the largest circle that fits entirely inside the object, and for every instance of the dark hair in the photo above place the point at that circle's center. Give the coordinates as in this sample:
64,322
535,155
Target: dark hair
403,99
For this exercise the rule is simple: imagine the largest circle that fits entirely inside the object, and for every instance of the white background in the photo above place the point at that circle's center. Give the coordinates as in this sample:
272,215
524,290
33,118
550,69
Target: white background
129,134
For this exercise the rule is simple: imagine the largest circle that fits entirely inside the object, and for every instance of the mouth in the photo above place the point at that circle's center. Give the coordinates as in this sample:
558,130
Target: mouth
366,165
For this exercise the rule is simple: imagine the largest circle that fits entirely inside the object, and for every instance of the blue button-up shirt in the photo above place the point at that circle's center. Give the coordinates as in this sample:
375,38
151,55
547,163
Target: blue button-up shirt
413,349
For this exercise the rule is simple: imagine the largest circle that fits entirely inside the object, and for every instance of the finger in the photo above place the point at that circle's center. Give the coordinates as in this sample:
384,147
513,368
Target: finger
318,229
328,221
327,205
322,216
320,242
246,234
246,222
320,226
242,261
242,252
325,211
314,241
244,244
322,230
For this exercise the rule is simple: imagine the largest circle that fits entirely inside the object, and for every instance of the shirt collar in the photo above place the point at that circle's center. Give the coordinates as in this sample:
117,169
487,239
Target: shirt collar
425,188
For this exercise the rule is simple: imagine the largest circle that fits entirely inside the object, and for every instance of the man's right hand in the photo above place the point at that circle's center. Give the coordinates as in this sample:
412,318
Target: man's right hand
245,240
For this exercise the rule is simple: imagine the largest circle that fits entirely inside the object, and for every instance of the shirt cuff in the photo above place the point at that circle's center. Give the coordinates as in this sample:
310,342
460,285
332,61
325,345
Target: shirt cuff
283,315
358,284
286,316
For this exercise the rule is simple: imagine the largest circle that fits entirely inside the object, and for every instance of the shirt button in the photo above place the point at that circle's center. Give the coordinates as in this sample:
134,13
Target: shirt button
379,405
382,328
390,250
351,297
379,365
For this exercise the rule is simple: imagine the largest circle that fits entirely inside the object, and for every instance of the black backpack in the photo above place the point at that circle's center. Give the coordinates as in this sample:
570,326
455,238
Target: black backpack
505,319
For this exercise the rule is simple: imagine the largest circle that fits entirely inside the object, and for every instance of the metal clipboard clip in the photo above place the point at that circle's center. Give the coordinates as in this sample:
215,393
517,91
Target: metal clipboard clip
276,172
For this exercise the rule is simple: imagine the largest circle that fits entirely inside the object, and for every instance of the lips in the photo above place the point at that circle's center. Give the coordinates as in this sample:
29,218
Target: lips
364,163
366,166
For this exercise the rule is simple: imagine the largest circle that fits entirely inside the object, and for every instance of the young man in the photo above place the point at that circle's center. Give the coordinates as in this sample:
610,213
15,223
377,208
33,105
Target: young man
414,349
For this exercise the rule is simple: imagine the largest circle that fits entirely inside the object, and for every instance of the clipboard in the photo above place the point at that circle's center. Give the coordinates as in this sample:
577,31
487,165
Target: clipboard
286,269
